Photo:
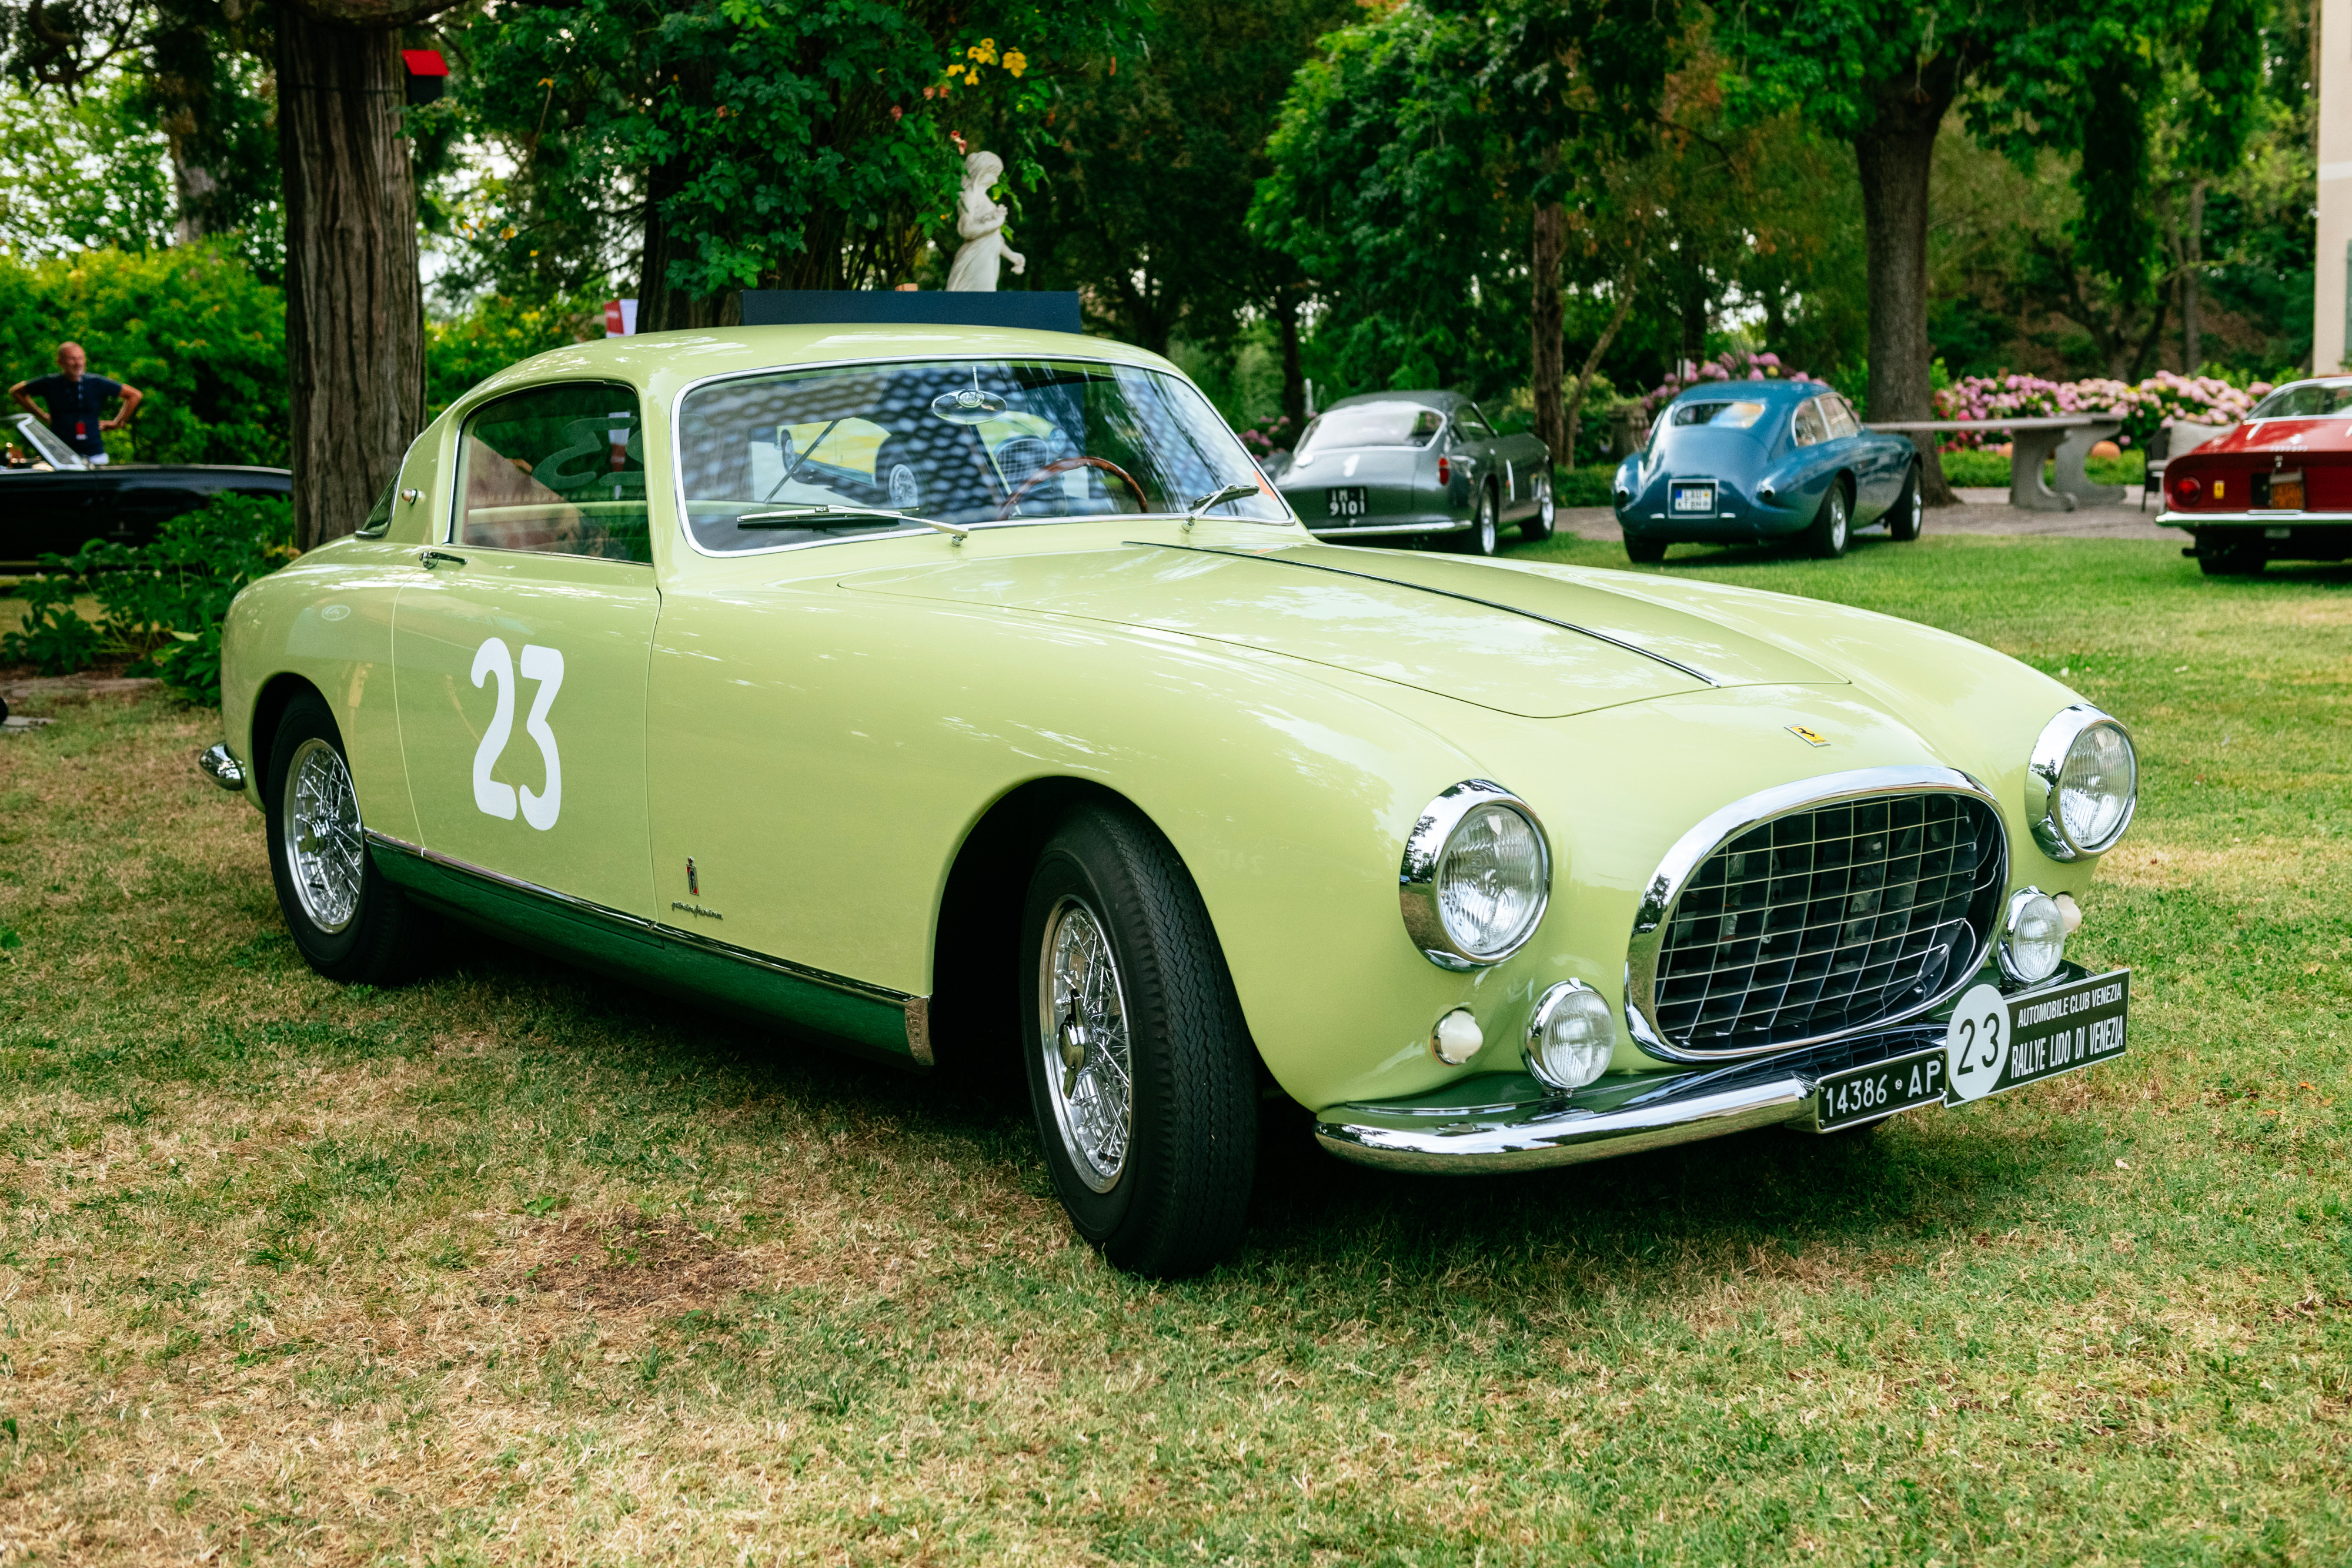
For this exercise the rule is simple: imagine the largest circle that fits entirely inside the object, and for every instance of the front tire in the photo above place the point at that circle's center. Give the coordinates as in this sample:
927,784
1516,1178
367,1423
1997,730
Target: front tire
1833,525
1537,528
1909,513
1139,1067
350,922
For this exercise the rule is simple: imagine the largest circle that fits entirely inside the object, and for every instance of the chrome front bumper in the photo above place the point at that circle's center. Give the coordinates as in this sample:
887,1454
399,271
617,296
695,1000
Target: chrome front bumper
1508,1122
215,764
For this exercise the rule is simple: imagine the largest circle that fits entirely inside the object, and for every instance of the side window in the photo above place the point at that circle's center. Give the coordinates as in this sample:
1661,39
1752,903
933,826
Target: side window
1810,429
1471,424
559,470
1842,423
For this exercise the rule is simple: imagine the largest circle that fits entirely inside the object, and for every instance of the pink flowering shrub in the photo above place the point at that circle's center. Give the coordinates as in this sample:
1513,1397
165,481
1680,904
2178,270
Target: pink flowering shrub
1267,436
2162,399
1728,366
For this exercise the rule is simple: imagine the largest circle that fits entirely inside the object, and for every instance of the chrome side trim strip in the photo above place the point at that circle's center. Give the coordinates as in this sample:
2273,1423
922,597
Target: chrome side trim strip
1698,676
917,1008
1547,1133
215,763
1666,884
1392,528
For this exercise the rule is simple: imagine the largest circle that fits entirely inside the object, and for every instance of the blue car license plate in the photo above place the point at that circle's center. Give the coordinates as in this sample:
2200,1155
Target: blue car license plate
1694,497
1348,501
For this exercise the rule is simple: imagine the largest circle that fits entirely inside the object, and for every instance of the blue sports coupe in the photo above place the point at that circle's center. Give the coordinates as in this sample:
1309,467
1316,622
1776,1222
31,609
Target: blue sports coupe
1745,462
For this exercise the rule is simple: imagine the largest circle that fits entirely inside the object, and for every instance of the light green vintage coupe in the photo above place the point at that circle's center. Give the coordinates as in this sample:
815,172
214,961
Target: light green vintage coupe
932,690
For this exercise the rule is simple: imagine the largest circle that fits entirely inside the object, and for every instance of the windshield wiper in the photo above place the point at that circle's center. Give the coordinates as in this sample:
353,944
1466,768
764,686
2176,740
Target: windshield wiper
1216,497
801,517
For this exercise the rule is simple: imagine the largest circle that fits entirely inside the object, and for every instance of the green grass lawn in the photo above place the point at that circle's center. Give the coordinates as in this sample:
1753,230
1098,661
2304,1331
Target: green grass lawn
516,1264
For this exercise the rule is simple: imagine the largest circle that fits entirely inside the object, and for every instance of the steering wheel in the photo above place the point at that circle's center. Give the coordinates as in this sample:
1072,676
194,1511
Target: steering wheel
1064,465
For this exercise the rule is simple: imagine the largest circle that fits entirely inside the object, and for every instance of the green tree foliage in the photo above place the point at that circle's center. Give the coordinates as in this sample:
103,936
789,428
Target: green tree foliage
765,144
1151,162
162,604
1392,190
83,172
191,327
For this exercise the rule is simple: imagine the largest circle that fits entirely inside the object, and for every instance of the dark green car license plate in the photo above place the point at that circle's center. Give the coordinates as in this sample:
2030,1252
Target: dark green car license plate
1865,1093
1346,501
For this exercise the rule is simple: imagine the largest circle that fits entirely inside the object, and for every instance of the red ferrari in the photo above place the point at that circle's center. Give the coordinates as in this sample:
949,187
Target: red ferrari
2278,488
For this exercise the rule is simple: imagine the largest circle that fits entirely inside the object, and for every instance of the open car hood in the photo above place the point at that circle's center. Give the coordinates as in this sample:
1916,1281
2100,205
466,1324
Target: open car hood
1516,642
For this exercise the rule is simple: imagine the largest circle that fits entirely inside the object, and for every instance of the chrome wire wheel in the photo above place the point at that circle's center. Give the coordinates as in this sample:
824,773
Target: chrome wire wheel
324,850
1082,1031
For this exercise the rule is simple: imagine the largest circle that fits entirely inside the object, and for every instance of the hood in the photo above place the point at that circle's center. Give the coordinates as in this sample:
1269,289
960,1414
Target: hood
1514,641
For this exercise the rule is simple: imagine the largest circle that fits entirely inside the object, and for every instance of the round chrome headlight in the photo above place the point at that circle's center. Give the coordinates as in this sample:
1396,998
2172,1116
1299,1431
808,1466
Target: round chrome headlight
2033,935
1475,876
1570,1037
2082,784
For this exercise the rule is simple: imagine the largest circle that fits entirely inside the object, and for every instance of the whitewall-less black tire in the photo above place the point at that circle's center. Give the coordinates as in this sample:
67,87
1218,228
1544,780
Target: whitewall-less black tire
1141,1074
349,921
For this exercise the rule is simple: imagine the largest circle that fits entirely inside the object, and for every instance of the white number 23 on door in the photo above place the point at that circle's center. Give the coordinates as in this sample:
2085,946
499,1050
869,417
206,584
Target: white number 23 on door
545,665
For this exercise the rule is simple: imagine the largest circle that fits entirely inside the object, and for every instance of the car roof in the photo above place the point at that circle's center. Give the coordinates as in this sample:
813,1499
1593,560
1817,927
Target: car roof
663,362
1444,402
1769,392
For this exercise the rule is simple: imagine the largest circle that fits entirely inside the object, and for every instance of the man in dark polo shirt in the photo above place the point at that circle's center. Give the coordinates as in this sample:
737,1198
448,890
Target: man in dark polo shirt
78,403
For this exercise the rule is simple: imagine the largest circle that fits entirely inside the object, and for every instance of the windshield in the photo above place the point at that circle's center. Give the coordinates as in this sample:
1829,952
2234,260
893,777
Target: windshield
964,441
2312,400
1723,415
1372,424
46,447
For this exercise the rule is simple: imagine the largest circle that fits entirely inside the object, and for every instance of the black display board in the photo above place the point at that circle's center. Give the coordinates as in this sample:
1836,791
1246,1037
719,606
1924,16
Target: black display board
1040,310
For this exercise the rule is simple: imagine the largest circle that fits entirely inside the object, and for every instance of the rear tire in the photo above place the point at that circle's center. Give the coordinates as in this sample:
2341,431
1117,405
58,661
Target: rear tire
348,920
1139,1066
2231,563
1833,525
1909,513
1537,528
1484,533
1645,553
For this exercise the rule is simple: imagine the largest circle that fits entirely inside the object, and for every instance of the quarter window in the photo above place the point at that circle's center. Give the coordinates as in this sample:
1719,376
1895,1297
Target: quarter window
558,470
1842,422
1810,428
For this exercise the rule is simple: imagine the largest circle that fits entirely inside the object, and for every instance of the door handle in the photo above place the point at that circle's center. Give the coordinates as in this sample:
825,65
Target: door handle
427,558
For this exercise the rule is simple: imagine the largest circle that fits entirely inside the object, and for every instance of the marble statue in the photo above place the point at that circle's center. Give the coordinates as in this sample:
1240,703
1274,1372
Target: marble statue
981,224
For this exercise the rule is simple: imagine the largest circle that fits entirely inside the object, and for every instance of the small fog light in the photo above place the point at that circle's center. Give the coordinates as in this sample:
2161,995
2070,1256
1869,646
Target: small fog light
1571,1037
2033,936
1455,1039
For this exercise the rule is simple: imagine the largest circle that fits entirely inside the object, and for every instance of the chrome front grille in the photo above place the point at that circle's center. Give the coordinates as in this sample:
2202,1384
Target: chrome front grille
1828,919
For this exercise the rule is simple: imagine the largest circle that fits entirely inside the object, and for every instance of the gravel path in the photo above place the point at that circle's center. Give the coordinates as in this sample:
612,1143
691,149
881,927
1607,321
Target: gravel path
1983,511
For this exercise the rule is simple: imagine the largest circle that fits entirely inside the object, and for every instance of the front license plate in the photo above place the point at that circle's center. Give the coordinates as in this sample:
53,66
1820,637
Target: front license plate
1346,502
1866,1093
1694,497
1997,1043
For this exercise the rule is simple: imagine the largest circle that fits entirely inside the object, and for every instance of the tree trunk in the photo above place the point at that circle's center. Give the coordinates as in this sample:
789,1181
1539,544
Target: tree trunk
1294,383
2192,317
1545,319
1893,155
1592,363
662,307
354,311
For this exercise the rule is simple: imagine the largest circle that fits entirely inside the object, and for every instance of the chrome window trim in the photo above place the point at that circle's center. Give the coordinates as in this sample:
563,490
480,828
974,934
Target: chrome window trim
457,464
1417,874
1665,887
2041,769
677,468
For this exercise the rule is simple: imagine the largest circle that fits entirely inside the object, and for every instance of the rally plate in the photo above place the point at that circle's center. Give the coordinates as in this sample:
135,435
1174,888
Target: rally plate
1997,1043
